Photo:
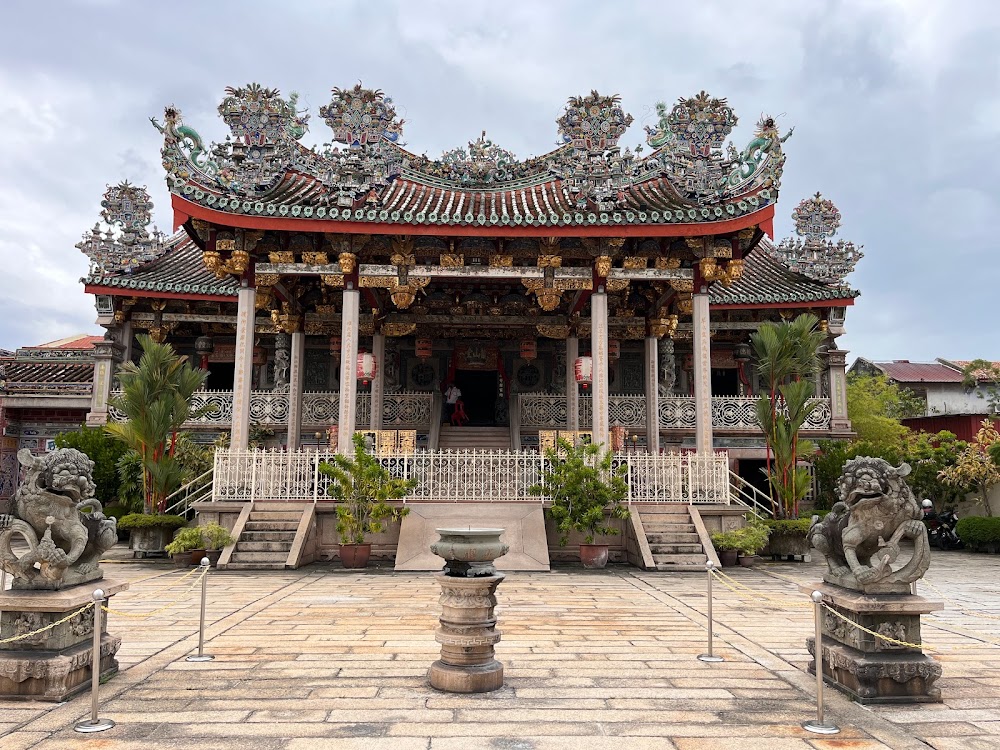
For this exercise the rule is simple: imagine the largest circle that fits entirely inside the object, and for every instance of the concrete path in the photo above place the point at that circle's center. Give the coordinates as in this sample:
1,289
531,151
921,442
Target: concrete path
326,658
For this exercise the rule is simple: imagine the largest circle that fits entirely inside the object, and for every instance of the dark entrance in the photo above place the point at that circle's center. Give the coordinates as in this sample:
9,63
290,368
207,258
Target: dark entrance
220,376
725,382
752,470
479,394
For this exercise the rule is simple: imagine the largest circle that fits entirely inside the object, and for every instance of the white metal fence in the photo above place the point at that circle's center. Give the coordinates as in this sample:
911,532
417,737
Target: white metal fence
467,476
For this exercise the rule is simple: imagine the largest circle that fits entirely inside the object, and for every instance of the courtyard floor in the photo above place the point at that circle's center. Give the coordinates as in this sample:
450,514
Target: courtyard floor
327,658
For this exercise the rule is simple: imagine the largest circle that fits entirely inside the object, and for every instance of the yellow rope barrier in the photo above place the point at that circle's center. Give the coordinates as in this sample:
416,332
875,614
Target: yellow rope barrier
733,585
51,625
881,637
165,607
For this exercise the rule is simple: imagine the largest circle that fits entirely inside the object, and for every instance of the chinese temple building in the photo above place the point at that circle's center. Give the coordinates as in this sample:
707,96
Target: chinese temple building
595,291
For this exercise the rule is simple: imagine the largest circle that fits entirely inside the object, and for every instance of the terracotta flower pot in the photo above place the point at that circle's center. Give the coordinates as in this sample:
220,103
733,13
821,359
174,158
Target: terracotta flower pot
747,561
213,556
196,555
181,559
728,557
355,555
594,555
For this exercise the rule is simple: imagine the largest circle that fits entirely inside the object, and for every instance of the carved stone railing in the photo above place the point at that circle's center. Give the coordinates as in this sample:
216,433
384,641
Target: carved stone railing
268,408
467,476
545,411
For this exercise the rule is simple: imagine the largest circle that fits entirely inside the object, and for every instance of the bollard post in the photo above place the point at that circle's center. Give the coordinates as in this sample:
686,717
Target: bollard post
95,724
710,657
201,655
819,726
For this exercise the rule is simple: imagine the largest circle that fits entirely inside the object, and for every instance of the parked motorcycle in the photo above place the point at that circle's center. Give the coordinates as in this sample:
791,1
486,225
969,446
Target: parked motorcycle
941,527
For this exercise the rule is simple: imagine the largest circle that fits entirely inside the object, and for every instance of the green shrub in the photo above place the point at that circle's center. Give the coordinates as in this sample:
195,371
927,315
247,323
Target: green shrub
216,536
104,451
788,527
725,540
134,521
185,540
978,532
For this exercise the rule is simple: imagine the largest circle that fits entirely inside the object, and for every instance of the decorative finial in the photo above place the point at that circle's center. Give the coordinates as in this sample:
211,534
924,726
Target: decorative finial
817,219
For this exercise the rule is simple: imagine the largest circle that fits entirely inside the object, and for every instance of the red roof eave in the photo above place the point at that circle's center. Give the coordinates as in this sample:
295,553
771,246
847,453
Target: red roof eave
184,209
118,291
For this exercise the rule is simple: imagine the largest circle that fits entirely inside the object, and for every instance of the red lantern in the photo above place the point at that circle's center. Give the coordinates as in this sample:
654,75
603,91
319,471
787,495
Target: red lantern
367,367
583,368
425,348
614,349
335,345
529,349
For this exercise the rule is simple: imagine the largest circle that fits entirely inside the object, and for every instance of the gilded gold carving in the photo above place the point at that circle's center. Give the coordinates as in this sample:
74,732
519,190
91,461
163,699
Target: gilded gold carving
634,331
315,258
632,261
616,285
548,245
733,272
225,245
213,261
402,296
663,327
696,245
395,330
348,262
552,331
201,228
548,299
281,256
119,316
573,283
333,279
286,320
533,284
668,264
602,265
326,311
158,305
402,251
745,235
376,282
682,285
452,260
501,261
616,244
685,302
319,327
158,334
549,261
266,279
264,299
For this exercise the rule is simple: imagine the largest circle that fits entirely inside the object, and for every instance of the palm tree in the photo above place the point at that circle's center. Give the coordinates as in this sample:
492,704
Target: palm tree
786,354
156,401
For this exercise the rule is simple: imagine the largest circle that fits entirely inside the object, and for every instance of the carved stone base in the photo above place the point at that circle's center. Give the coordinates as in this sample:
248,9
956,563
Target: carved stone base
868,668
482,678
467,636
56,664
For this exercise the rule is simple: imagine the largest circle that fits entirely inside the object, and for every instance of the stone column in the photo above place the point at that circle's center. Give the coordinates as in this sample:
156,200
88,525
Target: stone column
599,352
296,370
245,313
107,356
702,373
348,367
572,389
378,383
652,395
126,340
837,361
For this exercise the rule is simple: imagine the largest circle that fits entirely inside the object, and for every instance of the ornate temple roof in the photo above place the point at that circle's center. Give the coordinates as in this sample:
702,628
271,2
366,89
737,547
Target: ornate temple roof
263,171
179,270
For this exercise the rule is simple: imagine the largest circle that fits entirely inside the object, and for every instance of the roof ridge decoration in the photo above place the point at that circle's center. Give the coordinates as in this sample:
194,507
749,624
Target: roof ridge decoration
817,257
126,242
587,179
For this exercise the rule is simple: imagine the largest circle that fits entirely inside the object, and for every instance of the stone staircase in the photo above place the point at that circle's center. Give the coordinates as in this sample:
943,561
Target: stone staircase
474,438
267,537
672,538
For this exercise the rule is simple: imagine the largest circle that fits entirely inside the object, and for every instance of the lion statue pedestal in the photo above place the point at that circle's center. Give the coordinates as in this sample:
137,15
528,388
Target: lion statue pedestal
65,531
861,540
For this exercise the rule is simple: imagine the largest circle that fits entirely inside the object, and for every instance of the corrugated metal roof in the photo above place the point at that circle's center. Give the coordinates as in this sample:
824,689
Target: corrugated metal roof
79,341
919,372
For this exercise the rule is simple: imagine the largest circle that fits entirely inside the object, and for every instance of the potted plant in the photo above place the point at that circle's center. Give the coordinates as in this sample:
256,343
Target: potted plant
584,489
186,545
150,532
363,487
788,537
216,537
727,544
752,539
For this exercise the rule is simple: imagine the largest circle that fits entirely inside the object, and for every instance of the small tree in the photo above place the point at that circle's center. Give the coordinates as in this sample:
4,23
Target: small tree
582,485
104,452
975,470
786,358
363,485
875,405
156,401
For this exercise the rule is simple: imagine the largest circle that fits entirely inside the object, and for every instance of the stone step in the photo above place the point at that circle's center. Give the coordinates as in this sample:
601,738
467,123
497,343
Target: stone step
672,537
674,509
685,568
267,505
258,557
248,546
668,528
267,536
675,549
680,559
256,566
271,526
274,515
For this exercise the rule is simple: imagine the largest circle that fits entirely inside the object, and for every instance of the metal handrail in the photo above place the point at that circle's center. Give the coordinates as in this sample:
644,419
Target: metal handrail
746,494
189,493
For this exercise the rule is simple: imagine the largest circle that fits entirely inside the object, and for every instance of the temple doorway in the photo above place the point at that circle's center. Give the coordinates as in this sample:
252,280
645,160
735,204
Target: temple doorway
220,376
479,394
725,381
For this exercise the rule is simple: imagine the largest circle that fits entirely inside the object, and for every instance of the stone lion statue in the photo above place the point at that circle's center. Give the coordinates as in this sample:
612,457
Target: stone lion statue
61,521
860,537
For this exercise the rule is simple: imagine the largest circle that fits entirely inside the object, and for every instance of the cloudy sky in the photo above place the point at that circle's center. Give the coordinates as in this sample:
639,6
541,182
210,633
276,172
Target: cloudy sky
895,103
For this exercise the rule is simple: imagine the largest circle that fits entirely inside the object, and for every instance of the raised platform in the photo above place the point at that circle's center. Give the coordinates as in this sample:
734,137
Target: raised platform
524,524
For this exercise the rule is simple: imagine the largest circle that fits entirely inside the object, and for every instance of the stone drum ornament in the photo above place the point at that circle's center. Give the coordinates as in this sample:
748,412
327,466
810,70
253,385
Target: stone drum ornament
871,626
468,625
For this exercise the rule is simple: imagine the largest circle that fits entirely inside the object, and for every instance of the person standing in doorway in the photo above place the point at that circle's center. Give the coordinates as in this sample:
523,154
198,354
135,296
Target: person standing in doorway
451,397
